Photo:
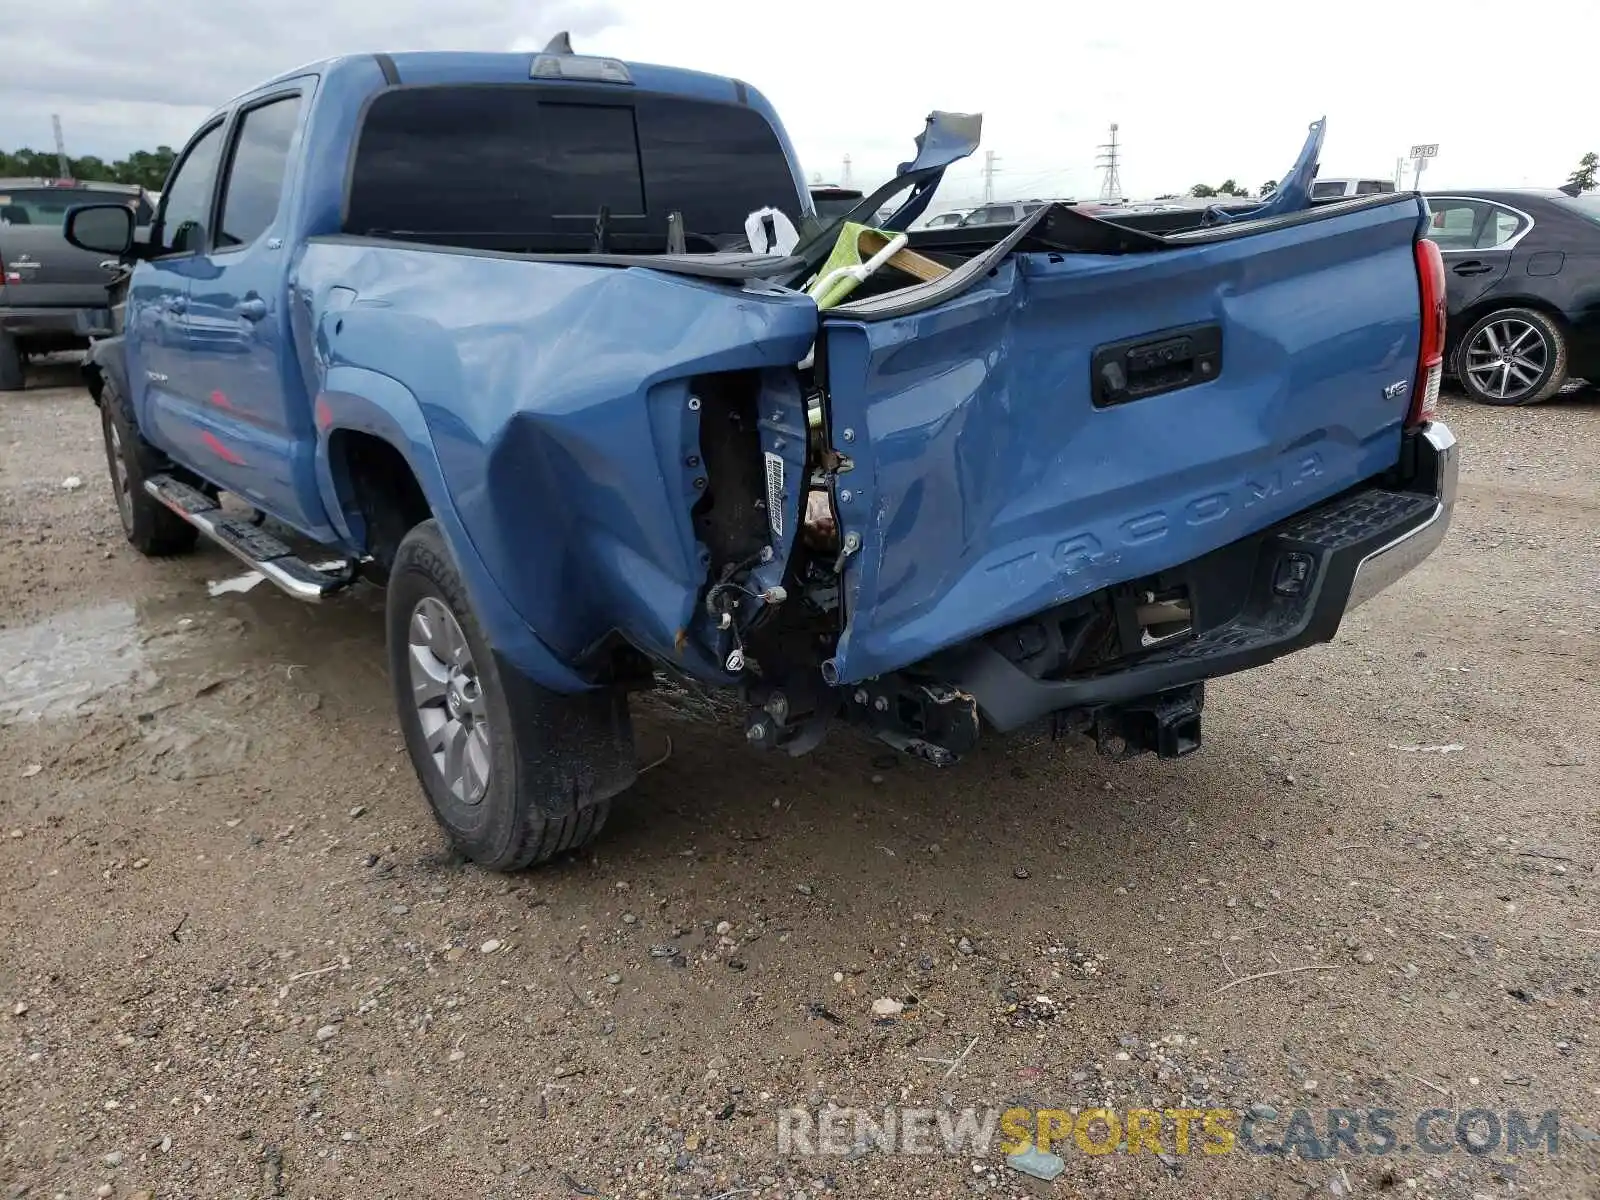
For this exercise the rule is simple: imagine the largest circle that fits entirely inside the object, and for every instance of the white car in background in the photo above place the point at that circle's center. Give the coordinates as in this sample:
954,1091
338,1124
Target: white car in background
945,220
1339,189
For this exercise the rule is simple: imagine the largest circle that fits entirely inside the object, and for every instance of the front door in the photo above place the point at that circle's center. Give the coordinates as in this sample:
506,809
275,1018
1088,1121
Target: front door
156,325
248,403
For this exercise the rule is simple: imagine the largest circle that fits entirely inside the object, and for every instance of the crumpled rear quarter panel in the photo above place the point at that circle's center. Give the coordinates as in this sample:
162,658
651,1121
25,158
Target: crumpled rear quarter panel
557,399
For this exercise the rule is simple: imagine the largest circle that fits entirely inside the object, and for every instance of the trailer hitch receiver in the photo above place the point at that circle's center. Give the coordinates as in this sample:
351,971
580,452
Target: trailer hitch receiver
1167,724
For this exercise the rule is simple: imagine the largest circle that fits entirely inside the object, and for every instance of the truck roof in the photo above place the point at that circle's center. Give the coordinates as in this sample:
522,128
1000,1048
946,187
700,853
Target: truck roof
424,67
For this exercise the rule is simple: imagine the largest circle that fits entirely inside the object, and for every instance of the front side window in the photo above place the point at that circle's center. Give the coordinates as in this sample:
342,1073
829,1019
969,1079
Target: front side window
256,173
186,203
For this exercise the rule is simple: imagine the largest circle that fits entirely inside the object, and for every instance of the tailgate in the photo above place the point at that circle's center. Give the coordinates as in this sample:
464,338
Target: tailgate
42,271
1079,420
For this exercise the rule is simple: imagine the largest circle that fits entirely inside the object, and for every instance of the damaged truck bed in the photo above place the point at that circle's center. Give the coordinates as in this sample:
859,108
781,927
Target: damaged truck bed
590,418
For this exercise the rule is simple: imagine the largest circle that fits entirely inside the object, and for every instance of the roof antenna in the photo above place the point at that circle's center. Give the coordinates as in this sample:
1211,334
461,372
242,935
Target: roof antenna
560,44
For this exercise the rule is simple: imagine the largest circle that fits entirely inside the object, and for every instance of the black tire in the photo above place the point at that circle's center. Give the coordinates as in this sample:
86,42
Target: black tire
553,761
11,373
152,528
1547,348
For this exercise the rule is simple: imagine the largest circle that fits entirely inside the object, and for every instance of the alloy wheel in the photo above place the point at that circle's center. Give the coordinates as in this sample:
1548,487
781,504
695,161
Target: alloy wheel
1507,358
449,699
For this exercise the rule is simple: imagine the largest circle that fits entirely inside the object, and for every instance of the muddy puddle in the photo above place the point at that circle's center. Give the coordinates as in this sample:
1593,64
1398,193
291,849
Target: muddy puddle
223,625
68,664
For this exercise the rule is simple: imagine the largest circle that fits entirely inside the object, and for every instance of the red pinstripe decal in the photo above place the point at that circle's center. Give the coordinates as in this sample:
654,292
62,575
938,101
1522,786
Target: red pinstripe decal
221,451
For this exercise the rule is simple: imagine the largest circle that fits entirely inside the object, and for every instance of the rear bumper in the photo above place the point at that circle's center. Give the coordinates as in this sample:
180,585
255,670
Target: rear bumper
1347,550
1398,556
59,324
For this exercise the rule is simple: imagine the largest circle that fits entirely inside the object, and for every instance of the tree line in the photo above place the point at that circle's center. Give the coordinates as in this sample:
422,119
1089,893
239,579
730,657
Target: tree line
147,168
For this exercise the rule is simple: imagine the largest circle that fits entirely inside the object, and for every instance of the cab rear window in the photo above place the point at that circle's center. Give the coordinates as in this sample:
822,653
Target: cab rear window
528,168
48,206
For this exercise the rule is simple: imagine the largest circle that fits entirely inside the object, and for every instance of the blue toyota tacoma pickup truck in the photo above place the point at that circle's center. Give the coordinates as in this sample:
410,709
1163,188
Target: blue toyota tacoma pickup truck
508,334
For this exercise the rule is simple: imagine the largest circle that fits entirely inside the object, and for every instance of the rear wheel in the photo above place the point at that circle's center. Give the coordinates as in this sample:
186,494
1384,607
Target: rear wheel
151,527
509,792
11,373
1511,357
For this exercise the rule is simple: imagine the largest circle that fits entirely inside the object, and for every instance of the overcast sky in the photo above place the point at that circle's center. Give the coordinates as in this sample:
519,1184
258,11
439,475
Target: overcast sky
1201,93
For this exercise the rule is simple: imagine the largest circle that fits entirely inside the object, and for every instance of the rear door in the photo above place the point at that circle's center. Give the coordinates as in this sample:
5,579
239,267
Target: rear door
242,409
1476,238
1072,421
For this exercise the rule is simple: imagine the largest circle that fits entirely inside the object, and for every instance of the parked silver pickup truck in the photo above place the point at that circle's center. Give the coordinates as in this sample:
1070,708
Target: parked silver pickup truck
52,295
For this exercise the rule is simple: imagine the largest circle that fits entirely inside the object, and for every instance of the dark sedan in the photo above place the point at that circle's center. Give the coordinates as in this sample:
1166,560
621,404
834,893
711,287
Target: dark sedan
1522,270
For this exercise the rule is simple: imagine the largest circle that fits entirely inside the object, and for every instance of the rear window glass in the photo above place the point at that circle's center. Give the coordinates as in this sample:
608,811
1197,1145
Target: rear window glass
1323,191
529,168
1584,206
48,206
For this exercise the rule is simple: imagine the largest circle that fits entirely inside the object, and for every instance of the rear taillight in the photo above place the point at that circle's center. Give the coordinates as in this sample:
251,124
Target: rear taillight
1430,360
7,276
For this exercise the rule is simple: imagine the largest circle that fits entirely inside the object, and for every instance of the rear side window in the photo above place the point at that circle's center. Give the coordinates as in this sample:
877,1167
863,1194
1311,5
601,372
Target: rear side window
529,168
256,172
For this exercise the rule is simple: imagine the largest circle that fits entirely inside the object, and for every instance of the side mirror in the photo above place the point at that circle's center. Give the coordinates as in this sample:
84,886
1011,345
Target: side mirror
100,228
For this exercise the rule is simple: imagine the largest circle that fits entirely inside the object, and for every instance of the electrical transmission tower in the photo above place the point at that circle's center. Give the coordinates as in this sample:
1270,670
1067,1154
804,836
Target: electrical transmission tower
990,161
1108,161
62,165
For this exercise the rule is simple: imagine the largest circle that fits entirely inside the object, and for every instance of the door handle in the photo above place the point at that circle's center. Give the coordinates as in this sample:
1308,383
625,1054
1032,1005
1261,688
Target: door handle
253,309
1474,267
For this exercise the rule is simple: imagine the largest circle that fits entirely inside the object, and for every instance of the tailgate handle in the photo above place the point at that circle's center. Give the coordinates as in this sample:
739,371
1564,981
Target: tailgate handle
1155,364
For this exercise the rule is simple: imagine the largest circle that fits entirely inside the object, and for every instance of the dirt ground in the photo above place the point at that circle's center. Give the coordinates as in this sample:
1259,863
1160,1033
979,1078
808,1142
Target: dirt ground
239,961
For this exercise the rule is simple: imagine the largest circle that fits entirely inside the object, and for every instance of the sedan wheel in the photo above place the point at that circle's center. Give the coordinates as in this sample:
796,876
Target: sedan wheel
1516,356
1507,359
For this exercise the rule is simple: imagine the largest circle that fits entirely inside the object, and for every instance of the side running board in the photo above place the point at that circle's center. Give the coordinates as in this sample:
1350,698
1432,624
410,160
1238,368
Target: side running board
250,544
